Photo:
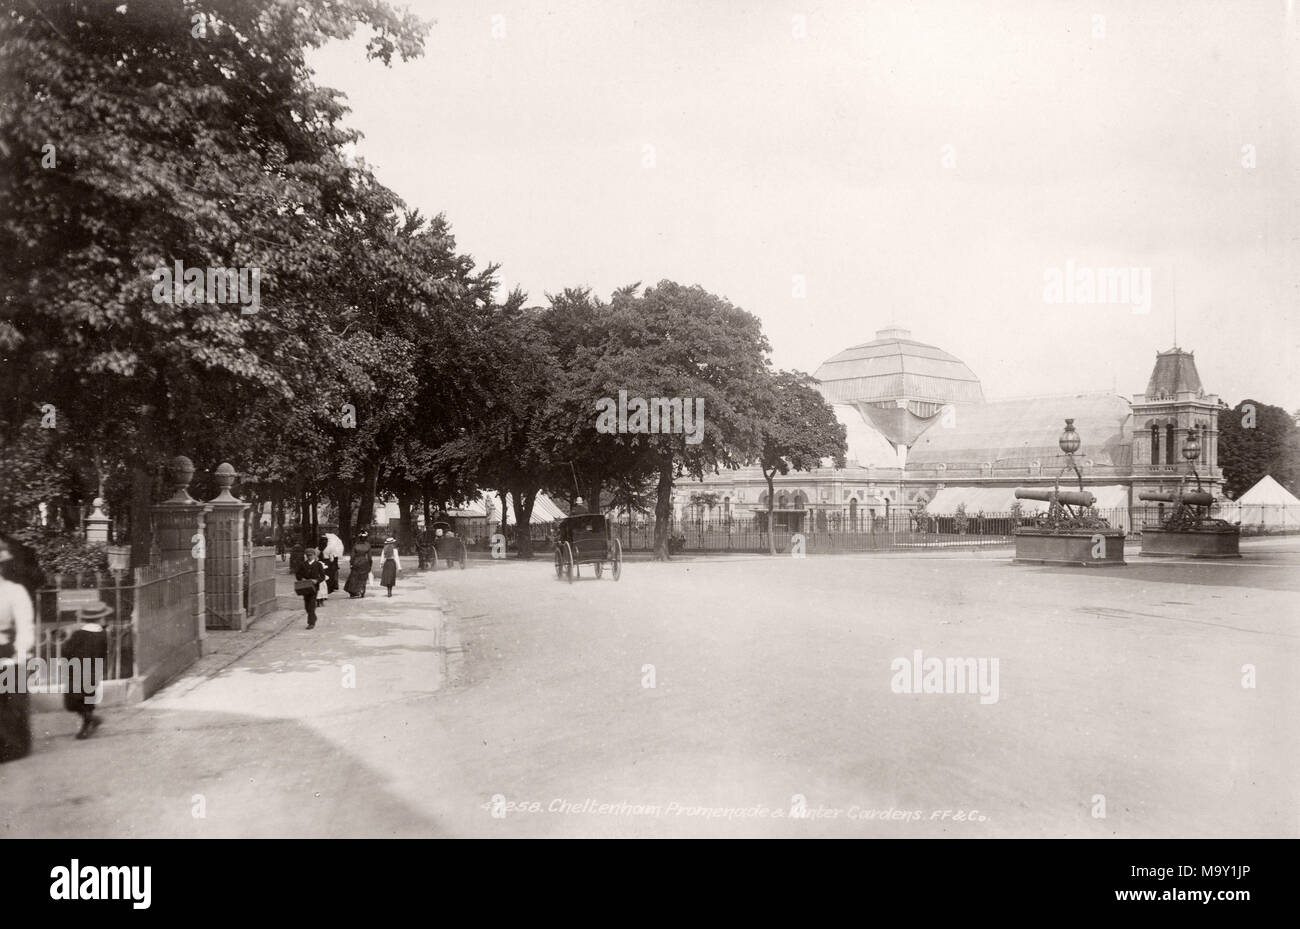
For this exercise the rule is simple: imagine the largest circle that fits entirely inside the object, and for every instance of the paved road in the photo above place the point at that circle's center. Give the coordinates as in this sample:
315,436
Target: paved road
772,686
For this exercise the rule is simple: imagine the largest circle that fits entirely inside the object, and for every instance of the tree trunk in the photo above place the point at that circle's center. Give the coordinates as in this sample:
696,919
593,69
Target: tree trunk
366,506
277,510
141,514
502,495
523,521
593,492
406,523
663,508
771,502
343,498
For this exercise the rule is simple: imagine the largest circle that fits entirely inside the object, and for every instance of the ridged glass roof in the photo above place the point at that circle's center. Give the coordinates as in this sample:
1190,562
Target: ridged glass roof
894,367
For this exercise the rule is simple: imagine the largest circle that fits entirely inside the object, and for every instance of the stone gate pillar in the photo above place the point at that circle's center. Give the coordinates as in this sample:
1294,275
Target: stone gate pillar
225,568
179,523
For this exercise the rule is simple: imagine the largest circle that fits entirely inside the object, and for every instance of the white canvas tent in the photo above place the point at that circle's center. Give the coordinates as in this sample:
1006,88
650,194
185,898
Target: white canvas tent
1267,505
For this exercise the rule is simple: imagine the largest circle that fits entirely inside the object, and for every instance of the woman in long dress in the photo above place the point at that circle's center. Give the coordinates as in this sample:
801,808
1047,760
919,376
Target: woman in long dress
361,565
388,575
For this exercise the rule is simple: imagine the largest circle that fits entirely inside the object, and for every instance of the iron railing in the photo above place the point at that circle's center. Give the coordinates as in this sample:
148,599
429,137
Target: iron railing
56,619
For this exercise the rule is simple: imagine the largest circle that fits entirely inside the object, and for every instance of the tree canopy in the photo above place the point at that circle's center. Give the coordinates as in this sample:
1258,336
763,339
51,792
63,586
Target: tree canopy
191,262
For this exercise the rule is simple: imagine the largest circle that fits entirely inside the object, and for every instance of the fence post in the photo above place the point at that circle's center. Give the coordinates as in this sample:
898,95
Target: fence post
178,522
225,555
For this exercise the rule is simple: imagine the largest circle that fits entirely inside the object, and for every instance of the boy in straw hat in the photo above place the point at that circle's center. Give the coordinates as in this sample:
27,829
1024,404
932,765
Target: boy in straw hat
88,645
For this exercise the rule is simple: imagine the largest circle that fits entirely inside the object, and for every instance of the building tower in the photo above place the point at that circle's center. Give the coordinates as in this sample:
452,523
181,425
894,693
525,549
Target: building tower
1174,404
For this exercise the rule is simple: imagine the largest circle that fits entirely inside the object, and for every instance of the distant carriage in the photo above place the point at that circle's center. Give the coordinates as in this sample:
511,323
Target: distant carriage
585,540
447,546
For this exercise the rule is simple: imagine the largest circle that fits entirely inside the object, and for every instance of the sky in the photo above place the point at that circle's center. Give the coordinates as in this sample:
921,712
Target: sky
836,168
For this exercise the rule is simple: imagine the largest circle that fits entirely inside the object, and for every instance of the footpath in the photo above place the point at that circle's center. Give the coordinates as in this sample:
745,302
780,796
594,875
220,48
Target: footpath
275,731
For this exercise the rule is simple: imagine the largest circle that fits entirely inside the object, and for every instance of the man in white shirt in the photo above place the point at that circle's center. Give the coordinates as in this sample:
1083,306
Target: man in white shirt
17,636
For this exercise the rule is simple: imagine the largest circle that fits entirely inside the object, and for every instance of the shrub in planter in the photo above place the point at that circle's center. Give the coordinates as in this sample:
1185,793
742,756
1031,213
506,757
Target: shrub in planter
62,552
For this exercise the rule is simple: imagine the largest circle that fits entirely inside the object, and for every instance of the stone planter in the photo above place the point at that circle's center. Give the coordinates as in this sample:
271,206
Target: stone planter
1201,543
1038,546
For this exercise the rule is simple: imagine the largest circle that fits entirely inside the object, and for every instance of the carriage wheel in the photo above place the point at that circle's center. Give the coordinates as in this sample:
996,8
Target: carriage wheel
464,553
559,563
618,560
569,566
600,569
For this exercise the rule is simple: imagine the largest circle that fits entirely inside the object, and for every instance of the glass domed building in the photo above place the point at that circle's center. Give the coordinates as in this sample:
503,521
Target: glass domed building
919,430
897,384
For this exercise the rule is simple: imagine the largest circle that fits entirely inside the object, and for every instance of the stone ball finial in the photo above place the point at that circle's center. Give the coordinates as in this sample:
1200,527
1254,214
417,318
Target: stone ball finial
225,477
180,471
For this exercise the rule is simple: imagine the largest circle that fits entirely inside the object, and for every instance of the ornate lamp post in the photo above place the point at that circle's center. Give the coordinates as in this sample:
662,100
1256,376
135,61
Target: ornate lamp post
1068,533
1189,531
1069,443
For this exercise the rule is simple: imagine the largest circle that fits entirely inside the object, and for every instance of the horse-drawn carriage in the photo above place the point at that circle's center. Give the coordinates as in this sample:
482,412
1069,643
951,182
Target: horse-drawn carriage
585,540
447,546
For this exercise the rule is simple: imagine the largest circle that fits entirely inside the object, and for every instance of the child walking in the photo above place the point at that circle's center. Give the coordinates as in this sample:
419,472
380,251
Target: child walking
88,645
309,576
388,576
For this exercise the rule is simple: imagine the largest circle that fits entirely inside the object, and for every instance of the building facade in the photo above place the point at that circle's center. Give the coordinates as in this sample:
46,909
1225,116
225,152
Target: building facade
920,432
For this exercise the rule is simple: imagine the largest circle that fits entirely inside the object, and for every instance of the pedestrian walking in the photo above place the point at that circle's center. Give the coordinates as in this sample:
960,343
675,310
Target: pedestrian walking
309,576
296,557
330,553
17,637
392,564
361,565
88,646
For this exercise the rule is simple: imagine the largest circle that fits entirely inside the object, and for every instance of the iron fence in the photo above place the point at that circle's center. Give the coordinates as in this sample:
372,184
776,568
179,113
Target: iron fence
56,619
261,582
153,619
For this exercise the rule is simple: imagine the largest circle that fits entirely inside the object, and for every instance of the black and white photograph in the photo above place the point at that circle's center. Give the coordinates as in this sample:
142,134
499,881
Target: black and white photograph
756,419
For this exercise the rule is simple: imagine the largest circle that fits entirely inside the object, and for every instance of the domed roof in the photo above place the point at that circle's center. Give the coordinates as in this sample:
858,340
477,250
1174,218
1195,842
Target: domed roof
894,367
866,447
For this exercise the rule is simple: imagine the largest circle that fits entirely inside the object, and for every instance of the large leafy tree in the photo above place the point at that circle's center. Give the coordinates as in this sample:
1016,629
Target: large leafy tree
151,132
502,441
683,342
1256,439
798,431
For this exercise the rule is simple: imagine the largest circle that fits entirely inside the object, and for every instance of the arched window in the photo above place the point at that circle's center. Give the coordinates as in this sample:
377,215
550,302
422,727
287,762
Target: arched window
1155,444
1169,444
782,500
